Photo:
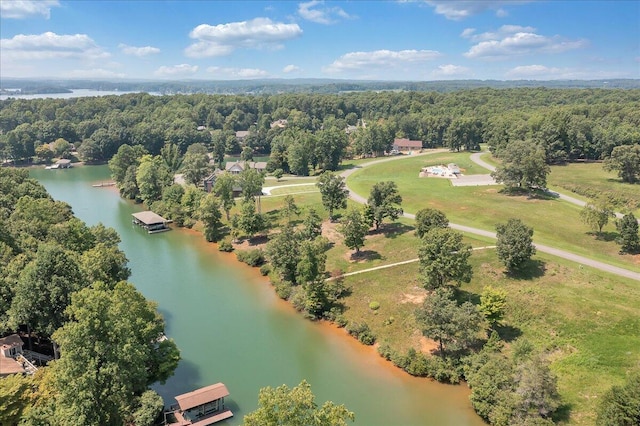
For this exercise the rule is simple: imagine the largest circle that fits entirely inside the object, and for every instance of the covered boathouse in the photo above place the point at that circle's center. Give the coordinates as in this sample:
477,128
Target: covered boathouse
201,407
151,222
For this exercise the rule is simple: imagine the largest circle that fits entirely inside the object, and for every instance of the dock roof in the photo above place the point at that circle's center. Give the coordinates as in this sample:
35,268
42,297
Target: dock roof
201,396
149,218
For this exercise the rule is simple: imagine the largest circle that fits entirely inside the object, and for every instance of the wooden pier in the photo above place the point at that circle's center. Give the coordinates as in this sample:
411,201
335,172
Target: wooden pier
201,407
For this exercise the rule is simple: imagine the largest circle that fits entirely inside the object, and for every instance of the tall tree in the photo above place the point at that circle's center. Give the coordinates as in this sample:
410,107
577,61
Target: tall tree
620,405
295,407
354,228
152,177
223,188
311,225
444,259
454,327
384,201
171,156
625,160
523,166
125,157
249,221
289,208
427,219
283,252
493,302
333,191
251,182
597,214
629,239
209,213
515,244
195,164
111,352
537,389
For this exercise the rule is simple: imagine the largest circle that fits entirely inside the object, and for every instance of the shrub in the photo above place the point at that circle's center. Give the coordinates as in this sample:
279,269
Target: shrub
253,257
225,246
283,289
362,332
374,306
265,269
388,321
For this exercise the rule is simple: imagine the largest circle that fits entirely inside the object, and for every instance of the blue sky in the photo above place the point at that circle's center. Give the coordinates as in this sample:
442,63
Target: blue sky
382,40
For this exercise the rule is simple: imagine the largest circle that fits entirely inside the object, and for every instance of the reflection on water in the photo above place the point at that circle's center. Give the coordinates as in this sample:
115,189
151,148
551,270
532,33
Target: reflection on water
230,327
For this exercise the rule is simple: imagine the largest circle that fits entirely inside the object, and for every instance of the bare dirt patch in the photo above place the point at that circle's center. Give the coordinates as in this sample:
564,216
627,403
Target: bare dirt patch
414,298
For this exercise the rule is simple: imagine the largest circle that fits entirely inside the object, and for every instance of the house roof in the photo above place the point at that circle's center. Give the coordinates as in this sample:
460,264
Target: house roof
11,341
201,396
260,165
407,143
149,218
63,161
242,134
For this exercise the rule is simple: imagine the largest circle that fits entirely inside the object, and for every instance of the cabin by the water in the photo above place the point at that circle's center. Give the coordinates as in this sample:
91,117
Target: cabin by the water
151,222
201,407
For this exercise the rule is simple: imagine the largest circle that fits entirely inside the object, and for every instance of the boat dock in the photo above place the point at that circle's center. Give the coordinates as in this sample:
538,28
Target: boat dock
150,221
201,407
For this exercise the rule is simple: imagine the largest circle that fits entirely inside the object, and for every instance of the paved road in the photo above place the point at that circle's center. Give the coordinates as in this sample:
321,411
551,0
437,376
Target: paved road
542,248
476,159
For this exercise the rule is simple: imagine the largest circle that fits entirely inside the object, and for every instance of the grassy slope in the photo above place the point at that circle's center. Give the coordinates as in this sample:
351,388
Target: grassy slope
556,223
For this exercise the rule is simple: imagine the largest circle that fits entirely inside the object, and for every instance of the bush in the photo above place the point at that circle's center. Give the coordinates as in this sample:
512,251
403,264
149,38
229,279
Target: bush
225,246
283,289
362,332
265,269
253,257
388,321
374,306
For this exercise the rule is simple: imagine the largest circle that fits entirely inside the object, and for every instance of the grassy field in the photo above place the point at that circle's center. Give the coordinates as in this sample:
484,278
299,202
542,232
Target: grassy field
587,320
556,223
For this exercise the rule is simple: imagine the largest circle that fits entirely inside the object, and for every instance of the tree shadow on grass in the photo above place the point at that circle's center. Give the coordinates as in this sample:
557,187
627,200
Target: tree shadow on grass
533,268
562,414
605,236
507,332
392,230
466,296
365,255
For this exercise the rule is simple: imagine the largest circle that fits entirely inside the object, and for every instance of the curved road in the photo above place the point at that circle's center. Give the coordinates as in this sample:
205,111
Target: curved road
542,248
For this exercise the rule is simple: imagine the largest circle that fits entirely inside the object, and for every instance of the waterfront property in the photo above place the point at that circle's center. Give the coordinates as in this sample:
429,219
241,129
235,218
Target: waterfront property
201,407
401,145
151,221
60,164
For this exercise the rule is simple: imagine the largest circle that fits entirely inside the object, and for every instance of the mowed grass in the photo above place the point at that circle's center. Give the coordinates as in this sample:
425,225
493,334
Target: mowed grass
589,180
556,223
588,321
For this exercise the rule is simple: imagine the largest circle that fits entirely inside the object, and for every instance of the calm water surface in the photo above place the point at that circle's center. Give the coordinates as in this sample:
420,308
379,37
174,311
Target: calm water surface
231,328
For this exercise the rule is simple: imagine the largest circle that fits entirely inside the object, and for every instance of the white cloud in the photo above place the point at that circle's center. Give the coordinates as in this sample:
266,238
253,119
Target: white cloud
50,46
451,70
138,51
259,33
513,40
364,61
458,10
176,70
291,68
321,15
227,73
21,9
95,73
502,32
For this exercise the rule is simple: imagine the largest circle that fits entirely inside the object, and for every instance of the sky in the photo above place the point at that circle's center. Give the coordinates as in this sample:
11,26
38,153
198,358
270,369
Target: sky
417,40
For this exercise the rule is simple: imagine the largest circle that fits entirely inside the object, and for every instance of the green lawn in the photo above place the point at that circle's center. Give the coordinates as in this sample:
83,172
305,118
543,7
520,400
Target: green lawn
556,223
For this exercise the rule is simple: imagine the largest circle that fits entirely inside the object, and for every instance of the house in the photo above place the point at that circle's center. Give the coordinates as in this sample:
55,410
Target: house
282,123
241,135
406,145
204,406
238,167
10,349
210,181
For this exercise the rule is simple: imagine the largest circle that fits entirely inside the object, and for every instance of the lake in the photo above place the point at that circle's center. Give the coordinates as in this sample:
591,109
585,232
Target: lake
75,93
231,328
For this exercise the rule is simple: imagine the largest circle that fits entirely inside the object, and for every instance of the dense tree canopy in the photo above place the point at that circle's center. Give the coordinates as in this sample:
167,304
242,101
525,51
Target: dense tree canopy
523,166
444,259
515,244
333,191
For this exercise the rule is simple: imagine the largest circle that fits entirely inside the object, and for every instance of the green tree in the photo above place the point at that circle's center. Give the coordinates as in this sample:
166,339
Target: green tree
384,201
61,148
195,164
597,214
209,213
333,191
427,219
491,379
249,221
620,405
311,225
105,263
111,353
289,208
493,302
15,398
283,252
629,239
523,166
537,389
311,264
251,182
43,153
515,244
246,154
454,327
170,154
295,407
152,177
625,160
126,157
223,188
277,173
444,259
354,228
150,406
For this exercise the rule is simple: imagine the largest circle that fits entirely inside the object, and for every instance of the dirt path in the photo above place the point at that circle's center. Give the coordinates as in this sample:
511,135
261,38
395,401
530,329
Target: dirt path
542,248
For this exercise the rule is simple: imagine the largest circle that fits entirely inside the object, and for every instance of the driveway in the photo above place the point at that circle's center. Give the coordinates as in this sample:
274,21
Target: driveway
476,231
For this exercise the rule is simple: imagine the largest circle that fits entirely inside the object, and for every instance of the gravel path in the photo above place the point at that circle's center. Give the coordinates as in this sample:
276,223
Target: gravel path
626,273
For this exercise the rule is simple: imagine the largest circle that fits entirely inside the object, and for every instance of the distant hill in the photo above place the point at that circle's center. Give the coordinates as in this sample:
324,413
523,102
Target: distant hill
274,86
